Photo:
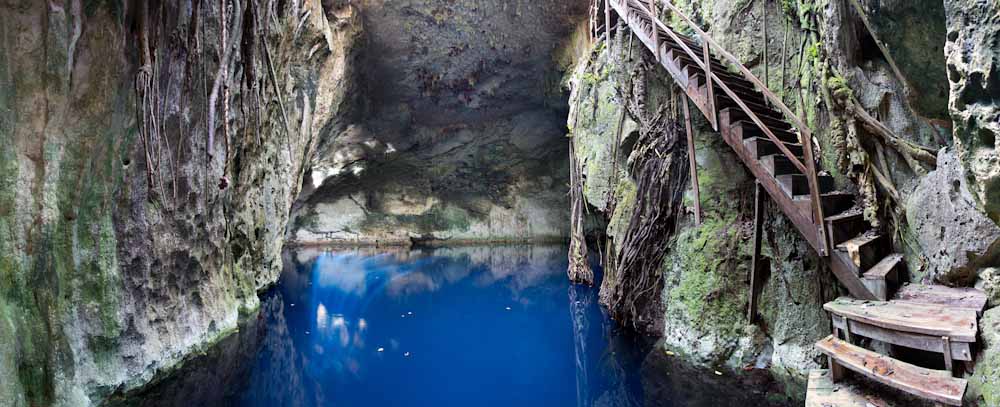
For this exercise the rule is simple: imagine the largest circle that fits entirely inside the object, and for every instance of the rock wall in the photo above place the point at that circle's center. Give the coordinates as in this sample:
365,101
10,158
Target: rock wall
705,268
819,55
462,138
144,191
973,67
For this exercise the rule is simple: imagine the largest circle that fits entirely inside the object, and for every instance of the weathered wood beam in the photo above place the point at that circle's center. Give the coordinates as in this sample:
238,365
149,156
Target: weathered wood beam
756,269
693,162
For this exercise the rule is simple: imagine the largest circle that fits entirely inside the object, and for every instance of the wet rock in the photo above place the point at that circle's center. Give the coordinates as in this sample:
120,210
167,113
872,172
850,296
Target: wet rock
955,237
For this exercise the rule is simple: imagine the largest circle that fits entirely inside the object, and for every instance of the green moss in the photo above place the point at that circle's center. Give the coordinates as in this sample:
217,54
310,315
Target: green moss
625,195
703,261
984,385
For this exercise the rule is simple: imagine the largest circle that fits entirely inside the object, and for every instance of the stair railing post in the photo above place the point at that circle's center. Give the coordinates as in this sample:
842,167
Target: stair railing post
693,162
656,29
709,85
756,272
607,26
814,193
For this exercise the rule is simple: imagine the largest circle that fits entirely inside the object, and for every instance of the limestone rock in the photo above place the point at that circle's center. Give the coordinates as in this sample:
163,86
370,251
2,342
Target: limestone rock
462,137
974,73
984,385
955,237
120,254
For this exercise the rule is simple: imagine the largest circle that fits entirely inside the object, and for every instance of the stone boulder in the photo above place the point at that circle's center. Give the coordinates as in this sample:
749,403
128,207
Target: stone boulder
956,239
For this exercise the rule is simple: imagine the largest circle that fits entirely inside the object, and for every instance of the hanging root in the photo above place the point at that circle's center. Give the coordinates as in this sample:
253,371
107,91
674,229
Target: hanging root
662,179
579,268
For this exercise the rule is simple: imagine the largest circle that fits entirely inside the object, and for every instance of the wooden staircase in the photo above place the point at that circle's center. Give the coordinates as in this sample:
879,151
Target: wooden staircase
777,148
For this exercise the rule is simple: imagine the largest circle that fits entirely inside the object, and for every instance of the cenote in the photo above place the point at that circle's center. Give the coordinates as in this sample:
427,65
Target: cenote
484,326
302,203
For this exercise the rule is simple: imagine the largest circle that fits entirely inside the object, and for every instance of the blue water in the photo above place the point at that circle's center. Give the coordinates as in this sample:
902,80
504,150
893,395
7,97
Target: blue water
491,326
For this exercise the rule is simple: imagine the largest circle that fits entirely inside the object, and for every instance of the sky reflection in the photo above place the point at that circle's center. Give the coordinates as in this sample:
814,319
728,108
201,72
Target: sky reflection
471,326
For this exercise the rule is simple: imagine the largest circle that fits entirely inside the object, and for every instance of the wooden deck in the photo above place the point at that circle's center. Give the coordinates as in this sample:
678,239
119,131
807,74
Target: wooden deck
955,298
929,384
823,392
958,324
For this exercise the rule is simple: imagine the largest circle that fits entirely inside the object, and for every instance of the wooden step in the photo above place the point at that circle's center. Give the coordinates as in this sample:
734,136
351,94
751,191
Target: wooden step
959,350
752,98
833,202
733,114
842,227
733,80
884,276
749,130
866,249
685,61
778,165
743,89
798,184
746,91
966,298
958,324
925,383
823,392
723,101
762,146
849,275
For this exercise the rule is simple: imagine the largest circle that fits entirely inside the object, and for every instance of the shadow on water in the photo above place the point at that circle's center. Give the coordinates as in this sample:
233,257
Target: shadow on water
484,326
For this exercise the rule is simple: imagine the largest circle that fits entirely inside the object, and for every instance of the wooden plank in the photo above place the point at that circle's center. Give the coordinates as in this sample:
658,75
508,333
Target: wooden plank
951,297
948,360
959,324
912,379
845,225
959,350
878,287
761,147
864,250
823,392
847,273
692,162
833,202
880,277
885,267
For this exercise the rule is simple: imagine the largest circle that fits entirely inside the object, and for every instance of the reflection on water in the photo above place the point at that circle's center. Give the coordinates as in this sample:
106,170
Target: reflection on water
469,326
482,326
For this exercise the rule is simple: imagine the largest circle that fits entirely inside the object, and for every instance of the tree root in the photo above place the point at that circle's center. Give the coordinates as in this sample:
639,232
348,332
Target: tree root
579,268
912,153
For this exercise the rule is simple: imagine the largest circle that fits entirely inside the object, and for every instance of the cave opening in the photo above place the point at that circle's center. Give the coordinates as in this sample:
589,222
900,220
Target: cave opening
868,49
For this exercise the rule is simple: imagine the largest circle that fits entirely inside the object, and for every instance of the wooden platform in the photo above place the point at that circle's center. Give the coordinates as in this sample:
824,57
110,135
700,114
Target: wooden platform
958,324
929,384
823,392
956,298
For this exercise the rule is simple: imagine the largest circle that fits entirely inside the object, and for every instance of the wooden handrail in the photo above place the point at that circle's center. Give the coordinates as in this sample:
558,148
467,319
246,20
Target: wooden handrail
805,135
704,62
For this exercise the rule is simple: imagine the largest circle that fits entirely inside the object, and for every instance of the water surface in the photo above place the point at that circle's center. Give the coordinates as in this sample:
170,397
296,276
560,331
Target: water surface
487,326
472,326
